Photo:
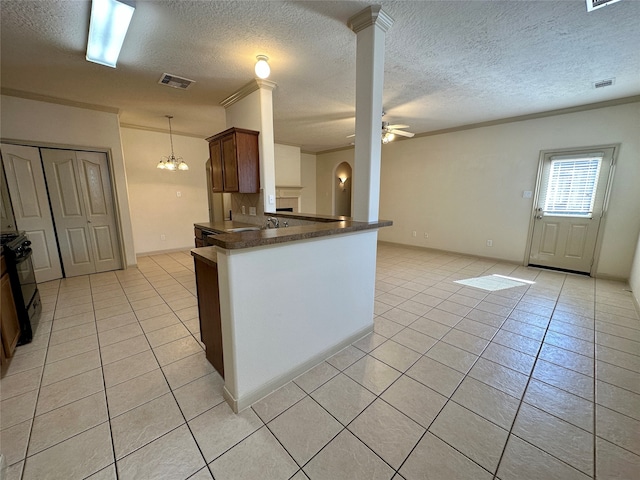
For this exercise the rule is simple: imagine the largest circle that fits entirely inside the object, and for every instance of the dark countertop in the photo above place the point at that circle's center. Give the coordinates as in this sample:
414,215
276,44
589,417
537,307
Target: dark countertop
272,236
206,254
307,216
222,227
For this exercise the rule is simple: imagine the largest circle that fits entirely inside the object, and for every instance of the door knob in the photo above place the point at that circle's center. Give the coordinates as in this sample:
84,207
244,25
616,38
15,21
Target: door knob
539,217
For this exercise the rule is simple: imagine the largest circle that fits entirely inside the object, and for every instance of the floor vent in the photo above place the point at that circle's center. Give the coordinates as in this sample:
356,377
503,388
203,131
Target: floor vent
594,4
604,83
175,81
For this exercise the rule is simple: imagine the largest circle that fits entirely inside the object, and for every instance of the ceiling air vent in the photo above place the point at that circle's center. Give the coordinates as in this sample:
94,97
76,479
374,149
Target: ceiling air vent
594,4
604,83
175,81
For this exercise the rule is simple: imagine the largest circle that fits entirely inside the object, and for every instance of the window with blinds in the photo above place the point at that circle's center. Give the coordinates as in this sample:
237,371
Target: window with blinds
572,186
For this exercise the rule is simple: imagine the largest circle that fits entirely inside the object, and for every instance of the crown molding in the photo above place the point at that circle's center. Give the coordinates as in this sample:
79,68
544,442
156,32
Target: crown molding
9,92
372,15
249,88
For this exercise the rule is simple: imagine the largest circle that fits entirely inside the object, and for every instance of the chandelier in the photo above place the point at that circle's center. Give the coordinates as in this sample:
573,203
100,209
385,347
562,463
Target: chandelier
172,163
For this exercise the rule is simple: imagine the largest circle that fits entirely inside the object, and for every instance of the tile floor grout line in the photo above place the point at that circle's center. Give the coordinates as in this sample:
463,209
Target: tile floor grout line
530,377
35,407
171,390
524,391
104,384
450,398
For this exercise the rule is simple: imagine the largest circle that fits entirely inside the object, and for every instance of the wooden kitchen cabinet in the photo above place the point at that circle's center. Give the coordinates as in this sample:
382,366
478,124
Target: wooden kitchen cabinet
235,161
209,311
9,324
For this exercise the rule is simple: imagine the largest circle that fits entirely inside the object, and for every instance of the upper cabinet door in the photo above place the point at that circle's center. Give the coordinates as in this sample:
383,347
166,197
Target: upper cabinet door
230,163
235,161
215,154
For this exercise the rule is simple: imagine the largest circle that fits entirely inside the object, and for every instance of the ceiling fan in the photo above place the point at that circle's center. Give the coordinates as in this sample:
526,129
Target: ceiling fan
389,132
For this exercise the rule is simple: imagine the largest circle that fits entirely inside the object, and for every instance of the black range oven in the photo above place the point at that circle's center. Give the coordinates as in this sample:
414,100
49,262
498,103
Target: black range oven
17,254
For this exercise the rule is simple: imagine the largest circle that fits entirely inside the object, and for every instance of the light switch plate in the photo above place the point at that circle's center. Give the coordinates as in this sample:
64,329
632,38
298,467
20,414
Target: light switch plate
272,199
252,211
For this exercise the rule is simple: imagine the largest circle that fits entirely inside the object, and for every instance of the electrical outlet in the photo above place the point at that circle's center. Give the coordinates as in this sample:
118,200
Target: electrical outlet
414,233
163,237
426,235
489,243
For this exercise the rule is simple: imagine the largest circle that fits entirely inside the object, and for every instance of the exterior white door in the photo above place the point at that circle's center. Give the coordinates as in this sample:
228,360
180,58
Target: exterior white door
82,205
571,201
28,192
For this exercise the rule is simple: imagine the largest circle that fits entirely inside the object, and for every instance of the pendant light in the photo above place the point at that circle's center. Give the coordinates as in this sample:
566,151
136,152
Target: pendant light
172,163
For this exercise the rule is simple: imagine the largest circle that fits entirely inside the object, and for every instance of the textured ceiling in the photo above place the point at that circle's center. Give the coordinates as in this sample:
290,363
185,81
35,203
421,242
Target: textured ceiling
447,63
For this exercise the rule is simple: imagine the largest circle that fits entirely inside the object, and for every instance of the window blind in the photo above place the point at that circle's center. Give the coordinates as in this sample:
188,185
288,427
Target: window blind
572,186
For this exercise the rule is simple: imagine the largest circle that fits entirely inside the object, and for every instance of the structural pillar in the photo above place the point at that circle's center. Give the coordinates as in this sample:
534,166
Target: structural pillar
370,26
251,107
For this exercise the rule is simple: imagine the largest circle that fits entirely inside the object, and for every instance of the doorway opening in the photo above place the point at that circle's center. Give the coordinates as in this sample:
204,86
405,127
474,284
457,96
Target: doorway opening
569,208
342,189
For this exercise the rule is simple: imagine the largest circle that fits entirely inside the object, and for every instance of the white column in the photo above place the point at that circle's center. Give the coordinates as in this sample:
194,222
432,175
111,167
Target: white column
370,26
251,107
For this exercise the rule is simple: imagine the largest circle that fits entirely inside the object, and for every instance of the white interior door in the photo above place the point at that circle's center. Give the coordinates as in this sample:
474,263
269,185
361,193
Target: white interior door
571,200
82,204
93,169
69,211
28,192
6,213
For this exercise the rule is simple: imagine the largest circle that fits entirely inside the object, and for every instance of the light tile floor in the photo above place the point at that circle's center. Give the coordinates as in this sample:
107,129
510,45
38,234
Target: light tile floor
539,381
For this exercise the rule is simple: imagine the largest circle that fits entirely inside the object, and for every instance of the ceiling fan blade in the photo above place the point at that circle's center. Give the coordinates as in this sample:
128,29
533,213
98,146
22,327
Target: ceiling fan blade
402,133
393,127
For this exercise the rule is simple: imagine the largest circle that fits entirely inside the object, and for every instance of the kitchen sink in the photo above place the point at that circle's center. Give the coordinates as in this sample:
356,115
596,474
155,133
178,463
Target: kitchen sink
243,229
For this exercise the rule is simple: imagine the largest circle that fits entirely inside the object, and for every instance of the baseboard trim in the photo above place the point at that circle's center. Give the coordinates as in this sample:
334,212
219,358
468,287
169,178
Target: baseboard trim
449,252
239,404
163,252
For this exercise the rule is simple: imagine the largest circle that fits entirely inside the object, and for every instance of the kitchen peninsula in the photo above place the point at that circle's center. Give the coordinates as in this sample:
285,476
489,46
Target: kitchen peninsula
289,298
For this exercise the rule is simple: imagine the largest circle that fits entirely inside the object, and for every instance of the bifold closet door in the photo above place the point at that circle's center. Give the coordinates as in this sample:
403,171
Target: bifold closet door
82,204
28,193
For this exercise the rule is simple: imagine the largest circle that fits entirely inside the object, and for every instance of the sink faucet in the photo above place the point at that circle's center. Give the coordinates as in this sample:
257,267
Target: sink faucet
275,221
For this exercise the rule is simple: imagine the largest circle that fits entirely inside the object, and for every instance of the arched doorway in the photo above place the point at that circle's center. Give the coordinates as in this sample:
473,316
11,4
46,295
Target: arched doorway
342,190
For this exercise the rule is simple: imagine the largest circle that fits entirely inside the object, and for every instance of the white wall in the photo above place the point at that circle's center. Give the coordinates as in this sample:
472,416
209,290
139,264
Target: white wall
49,124
155,207
287,165
634,278
308,178
465,187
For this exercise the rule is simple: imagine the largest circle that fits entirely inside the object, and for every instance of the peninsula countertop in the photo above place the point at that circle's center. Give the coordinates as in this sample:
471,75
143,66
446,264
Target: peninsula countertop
324,226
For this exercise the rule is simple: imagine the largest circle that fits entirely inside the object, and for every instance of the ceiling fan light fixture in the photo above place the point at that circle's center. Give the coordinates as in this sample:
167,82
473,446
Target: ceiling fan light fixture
108,26
262,68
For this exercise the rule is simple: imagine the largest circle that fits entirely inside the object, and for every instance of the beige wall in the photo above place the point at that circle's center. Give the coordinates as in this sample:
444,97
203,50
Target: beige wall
634,278
308,179
155,207
466,187
48,124
326,165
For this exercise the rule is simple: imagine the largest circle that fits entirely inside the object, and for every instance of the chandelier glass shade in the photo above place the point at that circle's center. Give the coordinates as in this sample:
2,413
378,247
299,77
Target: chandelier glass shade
171,162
